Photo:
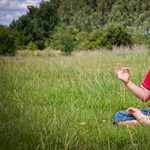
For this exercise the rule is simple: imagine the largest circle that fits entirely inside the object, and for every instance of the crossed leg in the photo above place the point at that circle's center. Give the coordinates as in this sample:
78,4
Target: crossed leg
132,117
140,117
129,123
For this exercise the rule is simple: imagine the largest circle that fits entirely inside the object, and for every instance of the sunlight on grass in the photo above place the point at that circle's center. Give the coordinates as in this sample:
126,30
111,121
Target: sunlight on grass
68,102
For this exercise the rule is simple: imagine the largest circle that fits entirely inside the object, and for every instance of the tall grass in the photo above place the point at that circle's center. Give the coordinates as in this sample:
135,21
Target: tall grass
68,102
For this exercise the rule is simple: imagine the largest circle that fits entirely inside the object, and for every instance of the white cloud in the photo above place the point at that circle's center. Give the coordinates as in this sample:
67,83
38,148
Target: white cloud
3,3
7,16
12,4
30,2
12,9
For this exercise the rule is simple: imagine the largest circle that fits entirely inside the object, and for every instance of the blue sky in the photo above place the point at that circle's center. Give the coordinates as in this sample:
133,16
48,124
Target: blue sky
12,9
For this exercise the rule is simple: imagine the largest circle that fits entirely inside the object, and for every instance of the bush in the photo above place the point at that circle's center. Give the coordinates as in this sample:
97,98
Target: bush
35,45
40,45
7,46
31,46
64,39
146,41
137,36
118,35
89,40
109,36
93,40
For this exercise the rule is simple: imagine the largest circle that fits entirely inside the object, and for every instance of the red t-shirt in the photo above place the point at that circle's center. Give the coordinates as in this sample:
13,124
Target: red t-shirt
146,83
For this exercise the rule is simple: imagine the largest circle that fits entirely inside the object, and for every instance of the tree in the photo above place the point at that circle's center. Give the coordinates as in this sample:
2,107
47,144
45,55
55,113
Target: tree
64,39
39,24
36,26
7,46
118,35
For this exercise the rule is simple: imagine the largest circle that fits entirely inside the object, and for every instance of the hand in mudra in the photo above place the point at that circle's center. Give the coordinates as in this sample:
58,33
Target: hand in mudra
122,73
139,115
133,111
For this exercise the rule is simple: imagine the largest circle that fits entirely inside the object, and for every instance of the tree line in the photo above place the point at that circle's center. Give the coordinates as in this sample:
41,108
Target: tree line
78,24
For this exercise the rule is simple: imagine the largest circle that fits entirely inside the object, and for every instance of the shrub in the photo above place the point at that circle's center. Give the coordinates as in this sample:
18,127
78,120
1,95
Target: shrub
89,40
31,46
137,36
146,41
93,40
64,39
109,36
118,35
7,46
40,45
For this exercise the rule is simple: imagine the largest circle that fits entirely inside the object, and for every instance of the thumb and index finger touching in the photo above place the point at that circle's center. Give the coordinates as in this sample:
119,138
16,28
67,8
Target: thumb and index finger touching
117,68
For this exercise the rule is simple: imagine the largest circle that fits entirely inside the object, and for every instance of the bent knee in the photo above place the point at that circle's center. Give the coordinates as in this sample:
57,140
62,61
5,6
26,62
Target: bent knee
122,116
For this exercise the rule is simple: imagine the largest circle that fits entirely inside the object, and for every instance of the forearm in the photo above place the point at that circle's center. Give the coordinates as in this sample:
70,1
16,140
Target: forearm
145,120
137,91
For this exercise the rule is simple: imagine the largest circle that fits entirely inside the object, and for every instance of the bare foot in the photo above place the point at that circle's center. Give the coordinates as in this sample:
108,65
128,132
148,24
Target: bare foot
139,115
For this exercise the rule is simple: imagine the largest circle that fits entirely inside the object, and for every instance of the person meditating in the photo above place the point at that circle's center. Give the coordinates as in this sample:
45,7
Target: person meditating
133,116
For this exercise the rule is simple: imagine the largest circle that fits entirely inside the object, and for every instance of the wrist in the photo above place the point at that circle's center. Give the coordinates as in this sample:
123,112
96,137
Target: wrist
126,82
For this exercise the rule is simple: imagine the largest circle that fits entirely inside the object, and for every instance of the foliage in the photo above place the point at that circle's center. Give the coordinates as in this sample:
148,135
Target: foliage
64,39
31,46
92,40
85,15
7,46
111,35
40,45
111,18
118,35
36,26
146,40
130,13
137,35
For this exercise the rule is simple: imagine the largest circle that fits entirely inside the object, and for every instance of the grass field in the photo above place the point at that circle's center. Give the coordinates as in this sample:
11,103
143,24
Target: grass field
68,102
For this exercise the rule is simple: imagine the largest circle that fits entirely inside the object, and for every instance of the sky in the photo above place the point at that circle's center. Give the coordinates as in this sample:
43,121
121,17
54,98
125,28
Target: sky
13,9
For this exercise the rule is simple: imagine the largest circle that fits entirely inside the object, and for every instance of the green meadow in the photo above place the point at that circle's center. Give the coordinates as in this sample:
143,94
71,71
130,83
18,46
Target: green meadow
68,102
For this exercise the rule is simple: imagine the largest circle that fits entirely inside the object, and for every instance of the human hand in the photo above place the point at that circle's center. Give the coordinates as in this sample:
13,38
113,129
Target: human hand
133,110
139,115
122,73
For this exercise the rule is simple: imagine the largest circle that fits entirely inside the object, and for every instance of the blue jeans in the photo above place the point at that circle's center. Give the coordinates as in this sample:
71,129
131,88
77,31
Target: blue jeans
124,116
